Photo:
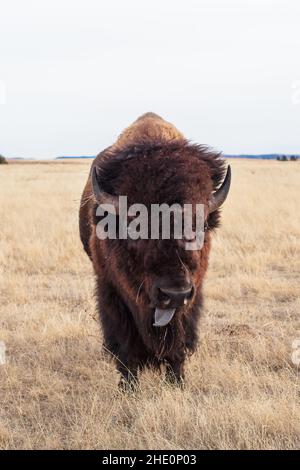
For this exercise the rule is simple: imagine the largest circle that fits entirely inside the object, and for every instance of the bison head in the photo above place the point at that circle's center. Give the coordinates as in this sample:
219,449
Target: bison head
158,278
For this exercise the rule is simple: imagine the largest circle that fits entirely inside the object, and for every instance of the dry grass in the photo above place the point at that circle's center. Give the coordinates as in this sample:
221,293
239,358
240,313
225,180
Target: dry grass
58,391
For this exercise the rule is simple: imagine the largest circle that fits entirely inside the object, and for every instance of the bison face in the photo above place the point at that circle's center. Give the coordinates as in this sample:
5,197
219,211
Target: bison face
158,278
164,279
170,283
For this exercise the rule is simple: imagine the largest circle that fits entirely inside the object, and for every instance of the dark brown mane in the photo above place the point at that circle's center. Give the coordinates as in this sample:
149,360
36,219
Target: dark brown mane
109,163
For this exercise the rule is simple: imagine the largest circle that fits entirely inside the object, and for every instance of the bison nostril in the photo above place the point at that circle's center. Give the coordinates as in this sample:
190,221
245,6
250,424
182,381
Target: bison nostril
188,296
162,297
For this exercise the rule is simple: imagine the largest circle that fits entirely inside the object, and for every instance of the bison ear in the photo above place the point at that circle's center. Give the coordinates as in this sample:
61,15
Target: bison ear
219,197
101,196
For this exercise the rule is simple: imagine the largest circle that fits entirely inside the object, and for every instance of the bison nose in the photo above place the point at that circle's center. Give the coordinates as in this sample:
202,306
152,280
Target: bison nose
175,297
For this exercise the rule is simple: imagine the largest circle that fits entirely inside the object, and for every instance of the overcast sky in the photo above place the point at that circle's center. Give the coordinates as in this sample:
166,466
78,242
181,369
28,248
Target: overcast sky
73,74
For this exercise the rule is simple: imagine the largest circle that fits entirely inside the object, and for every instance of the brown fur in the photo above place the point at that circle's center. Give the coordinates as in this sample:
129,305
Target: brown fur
151,162
148,127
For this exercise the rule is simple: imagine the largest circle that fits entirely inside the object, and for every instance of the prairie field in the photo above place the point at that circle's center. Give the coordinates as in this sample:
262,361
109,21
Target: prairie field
58,389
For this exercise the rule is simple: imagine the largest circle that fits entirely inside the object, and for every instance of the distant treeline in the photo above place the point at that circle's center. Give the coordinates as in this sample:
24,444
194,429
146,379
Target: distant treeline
83,156
285,158
269,156
273,156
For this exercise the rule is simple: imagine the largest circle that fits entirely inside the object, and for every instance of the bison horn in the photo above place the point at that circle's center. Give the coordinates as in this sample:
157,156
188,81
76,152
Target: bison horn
101,196
221,194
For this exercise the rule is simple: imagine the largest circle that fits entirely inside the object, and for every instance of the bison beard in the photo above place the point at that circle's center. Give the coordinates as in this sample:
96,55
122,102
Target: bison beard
135,343
151,162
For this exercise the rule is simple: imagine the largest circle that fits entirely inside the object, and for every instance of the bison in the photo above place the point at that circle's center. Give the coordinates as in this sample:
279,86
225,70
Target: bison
149,291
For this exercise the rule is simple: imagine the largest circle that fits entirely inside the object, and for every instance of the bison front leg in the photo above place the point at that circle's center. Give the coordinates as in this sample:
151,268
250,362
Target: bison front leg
120,334
175,372
129,377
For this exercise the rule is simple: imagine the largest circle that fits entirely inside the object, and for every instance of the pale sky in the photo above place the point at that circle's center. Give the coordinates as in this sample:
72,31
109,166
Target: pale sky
74,73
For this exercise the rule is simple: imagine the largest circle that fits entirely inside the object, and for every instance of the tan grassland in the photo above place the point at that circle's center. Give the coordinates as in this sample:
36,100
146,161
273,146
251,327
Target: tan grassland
57,389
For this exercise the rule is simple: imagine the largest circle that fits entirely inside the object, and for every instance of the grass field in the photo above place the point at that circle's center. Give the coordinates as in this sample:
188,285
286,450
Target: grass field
57,390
